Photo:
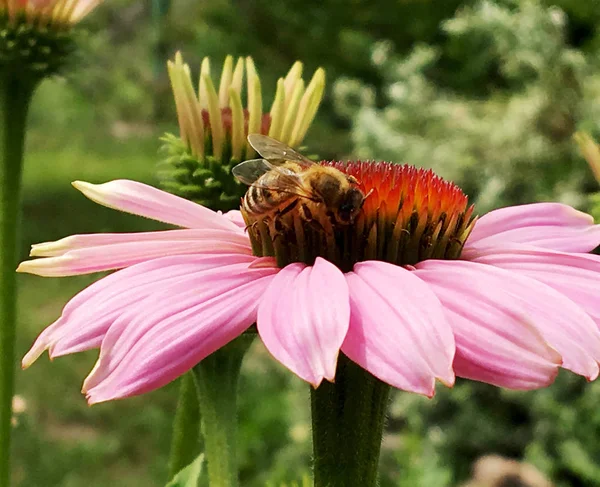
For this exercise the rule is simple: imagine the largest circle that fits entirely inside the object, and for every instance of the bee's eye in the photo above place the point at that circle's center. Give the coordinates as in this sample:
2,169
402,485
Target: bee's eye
345,211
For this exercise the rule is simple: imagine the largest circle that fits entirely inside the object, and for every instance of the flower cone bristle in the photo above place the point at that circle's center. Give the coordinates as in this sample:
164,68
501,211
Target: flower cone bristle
409,215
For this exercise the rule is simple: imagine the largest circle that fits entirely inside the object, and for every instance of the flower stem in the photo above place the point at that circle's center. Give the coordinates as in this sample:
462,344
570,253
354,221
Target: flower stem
348,418
217,379
15,96
185,445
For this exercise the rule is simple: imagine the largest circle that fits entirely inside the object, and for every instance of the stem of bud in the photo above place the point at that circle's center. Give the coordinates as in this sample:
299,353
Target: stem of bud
217,379
15,96
186,442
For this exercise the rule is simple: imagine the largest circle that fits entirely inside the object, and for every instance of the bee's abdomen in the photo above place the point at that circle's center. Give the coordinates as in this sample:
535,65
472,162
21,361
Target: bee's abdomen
259,200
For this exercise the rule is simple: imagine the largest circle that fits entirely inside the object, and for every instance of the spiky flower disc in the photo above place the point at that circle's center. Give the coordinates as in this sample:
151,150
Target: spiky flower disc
409,215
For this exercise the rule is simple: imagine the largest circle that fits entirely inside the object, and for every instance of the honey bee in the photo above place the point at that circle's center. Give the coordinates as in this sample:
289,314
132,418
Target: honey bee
284,179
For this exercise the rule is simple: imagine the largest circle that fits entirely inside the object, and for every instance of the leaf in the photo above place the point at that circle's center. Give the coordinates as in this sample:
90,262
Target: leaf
190,475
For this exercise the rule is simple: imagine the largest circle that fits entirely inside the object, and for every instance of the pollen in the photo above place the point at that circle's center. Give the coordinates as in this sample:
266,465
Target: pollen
409,215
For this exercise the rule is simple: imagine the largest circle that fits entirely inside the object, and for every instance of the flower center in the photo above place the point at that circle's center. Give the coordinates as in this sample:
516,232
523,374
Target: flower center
409,215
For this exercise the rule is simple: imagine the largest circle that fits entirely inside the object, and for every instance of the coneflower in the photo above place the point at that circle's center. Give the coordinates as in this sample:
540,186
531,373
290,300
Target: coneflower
415,290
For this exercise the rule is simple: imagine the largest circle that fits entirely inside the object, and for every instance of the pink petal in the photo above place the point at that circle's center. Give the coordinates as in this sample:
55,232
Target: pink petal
168,333
76,242
303,318
493,313
143,200
497,369
398,331
574,275
236,217
127,250
549,225
87,316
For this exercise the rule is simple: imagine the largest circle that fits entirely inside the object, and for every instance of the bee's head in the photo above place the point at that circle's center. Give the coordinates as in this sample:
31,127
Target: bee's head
340,194
349,205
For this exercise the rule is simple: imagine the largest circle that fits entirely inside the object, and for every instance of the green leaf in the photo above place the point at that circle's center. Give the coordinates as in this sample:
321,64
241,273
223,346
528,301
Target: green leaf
190,475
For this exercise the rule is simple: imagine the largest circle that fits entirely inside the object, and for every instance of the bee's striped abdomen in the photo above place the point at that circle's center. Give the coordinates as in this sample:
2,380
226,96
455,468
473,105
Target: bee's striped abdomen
259,199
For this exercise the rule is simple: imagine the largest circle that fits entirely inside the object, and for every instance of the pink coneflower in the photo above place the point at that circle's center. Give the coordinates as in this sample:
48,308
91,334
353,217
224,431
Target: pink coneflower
413,291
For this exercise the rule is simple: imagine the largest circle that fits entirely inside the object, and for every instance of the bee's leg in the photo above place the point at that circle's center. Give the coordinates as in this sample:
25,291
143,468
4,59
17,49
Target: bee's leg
306,213
309,219
288,208
282,225
252,227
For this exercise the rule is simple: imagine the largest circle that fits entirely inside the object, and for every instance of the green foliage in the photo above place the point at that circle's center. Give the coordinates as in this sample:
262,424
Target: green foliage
492,106
555,429
595,206
189,476
116,64
305,482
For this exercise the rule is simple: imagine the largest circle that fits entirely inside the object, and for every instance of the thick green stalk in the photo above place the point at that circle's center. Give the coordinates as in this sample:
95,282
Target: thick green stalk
15,96
347,419
217,379
186,444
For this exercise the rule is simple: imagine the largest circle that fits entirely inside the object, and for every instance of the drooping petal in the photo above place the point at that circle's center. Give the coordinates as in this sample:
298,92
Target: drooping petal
577,276
398,330
127,250
548,225
75,242
493,312
87,316
143,200
303,319
499,370
170,332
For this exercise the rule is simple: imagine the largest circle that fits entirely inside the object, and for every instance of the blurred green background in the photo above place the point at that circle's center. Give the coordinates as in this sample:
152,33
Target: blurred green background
488,93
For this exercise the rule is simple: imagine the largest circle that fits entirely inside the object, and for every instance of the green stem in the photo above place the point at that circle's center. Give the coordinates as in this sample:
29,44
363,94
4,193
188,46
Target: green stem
186,444
217,379
348,418
15,96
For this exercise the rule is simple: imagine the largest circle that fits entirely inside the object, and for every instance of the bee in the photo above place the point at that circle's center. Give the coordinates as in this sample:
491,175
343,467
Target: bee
284,179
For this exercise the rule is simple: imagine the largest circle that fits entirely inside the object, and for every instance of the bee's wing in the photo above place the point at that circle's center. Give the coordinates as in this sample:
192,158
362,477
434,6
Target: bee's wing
248,172
275,151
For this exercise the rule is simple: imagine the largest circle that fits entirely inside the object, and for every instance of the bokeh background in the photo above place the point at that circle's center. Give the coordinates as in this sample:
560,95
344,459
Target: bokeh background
488,93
